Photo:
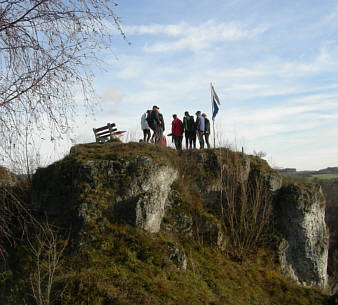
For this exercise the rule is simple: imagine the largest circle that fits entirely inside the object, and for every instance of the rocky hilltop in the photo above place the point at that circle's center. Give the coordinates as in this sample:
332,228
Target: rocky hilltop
135,211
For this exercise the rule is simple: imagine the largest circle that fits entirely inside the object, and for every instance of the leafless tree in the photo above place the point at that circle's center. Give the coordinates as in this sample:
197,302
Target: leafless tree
47,48
245,206
47,251
46,51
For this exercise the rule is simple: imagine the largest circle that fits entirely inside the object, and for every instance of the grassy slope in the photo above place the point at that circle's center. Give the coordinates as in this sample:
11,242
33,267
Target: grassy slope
128,266
125,265
325,176
133,268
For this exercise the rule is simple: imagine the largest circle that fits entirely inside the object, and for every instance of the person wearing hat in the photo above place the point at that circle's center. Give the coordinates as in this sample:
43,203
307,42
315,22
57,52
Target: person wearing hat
206,129
200,127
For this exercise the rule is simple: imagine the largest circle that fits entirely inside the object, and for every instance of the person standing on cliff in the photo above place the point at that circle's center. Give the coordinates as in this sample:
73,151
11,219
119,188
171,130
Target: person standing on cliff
177,132
206,129
200,127
189,130
155,124
145,126
161,126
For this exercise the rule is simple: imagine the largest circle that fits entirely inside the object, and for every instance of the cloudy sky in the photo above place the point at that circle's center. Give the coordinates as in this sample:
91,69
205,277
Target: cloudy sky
274,65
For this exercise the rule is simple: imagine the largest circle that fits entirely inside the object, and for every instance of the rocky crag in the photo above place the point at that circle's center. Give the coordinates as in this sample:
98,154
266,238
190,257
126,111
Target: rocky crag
138,189
139,196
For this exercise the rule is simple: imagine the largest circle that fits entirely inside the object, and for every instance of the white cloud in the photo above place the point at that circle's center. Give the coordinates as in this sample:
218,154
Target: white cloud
113,96
156,29
195,38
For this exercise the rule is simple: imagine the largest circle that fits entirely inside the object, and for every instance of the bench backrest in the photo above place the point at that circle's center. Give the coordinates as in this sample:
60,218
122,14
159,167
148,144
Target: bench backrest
104,133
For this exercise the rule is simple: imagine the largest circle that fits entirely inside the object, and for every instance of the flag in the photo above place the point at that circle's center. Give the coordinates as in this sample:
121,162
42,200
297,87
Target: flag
215,102
214,109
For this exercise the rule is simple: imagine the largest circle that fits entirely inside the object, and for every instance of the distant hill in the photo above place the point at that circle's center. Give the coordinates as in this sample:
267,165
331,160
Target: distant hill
327,173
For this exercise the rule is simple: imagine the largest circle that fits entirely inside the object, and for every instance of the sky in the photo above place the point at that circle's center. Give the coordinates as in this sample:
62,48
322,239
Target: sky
273,64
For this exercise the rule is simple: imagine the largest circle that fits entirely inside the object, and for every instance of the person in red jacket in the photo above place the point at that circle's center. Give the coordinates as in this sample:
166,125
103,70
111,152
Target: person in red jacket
177,132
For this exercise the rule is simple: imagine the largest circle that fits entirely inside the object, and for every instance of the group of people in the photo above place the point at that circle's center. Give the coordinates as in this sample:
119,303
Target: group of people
153,119
191,128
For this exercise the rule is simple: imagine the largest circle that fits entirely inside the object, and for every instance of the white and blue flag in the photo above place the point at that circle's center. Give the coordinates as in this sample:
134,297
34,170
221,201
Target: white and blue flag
215,102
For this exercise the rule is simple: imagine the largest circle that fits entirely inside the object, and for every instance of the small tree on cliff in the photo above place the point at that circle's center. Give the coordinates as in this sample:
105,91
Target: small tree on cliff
46,48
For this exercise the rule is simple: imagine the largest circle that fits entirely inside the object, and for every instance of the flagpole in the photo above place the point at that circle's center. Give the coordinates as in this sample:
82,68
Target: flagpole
212,111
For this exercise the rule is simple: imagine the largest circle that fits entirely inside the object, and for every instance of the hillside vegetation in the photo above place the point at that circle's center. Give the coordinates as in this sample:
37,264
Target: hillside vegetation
82,253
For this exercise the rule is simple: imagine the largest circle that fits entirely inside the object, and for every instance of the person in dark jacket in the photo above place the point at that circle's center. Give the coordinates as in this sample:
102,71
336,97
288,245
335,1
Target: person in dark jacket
206,129
154,122
189,128
177,132
200,127
161,126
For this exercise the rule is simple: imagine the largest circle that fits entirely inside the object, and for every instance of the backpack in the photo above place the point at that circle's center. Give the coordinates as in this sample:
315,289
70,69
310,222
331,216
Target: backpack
151,119
164,141
160,116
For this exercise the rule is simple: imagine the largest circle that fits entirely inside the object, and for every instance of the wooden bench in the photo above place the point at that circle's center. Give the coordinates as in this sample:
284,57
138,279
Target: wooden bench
107,133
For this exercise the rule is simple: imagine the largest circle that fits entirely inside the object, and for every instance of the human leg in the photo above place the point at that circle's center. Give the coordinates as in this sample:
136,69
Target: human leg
180,139
160,134
148,135
206,135
186,135
201,140
193,139
144,134
175,140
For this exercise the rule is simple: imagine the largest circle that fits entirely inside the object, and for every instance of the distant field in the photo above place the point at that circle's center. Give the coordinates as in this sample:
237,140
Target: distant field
325,176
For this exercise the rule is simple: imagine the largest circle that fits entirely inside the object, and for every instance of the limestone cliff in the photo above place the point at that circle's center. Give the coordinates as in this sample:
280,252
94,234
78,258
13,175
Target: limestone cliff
304,248
158,189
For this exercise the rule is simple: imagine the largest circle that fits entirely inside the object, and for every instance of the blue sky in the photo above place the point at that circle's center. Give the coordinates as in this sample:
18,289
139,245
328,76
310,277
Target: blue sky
274,65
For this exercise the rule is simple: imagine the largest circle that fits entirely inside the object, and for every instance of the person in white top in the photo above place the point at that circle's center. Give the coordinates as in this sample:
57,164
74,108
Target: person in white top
145,126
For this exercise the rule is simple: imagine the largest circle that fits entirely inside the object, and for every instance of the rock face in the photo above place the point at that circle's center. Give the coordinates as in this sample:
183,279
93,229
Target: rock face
144,202
303,251
149,190
134,191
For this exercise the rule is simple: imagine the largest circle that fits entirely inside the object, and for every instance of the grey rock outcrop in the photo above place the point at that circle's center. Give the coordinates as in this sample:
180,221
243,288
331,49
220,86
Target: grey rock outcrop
275,182
145,200
142,202
303,251
131,191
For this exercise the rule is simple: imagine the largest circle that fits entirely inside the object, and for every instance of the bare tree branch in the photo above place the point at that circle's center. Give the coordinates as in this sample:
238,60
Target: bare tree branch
46,50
